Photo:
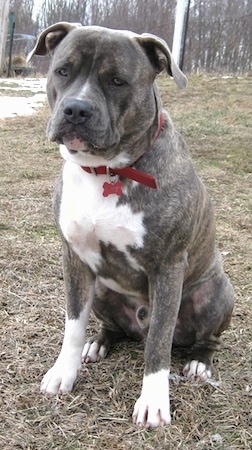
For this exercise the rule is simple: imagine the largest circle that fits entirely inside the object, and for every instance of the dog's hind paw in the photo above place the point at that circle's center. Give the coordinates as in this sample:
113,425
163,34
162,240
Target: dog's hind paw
93,352
197,370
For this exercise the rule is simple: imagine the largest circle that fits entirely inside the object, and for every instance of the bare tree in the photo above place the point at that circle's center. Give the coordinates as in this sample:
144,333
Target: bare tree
23,10
219,34
62,10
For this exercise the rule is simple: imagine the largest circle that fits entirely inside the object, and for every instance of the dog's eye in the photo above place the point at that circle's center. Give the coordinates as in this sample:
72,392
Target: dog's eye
62,72
116,82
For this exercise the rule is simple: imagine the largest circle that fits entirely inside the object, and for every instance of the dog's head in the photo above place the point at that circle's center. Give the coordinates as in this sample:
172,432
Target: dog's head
101,89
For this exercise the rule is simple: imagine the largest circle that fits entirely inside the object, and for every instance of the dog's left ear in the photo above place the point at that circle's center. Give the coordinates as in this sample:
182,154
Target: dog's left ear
161,58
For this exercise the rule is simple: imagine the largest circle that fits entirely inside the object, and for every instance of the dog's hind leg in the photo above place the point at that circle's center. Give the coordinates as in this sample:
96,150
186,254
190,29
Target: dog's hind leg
213,305
118,316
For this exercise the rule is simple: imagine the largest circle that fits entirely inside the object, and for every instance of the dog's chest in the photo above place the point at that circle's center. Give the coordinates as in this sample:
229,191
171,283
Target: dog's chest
88,219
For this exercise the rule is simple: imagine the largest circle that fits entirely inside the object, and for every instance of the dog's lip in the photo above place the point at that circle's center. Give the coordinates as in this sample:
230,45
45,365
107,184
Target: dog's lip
73,152
75,145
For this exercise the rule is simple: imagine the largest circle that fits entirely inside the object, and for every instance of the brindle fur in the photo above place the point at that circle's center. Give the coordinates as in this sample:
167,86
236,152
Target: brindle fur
187,297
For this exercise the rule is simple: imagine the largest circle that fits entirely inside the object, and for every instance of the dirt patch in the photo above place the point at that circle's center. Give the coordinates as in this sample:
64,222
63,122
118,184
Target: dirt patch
214,115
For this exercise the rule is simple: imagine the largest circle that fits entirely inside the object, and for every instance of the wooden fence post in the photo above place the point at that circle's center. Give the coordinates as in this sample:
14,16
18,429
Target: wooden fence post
4,23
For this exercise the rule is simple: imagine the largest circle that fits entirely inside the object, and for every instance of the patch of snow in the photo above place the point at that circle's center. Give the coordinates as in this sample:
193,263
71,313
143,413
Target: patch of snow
24,84
217,438
22,106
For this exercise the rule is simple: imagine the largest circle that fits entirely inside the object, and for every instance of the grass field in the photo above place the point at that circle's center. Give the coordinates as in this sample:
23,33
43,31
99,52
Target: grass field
214,115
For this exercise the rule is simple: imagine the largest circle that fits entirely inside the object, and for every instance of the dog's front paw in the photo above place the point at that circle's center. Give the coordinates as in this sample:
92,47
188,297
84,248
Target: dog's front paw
151,414
59,379
152,409
197,370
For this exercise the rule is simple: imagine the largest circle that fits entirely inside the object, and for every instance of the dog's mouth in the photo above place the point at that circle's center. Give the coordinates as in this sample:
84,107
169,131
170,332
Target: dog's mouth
83,141
76,144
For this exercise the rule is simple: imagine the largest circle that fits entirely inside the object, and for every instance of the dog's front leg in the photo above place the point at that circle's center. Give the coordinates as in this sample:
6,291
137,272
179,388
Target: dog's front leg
79,283
153,406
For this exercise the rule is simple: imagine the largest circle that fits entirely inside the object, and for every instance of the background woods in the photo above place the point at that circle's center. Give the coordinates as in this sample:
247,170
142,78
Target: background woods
219,34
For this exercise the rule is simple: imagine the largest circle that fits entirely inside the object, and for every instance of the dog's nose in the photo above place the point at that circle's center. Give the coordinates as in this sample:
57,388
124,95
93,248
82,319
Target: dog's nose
77,111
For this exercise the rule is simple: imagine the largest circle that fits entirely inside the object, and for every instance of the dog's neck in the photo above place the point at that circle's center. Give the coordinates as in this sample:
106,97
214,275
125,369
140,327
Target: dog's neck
115,185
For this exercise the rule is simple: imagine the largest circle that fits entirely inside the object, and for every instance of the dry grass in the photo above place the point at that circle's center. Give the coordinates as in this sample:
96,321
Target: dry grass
213,114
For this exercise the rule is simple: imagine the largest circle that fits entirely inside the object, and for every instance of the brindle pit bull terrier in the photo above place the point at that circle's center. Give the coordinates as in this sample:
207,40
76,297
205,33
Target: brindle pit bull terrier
136,222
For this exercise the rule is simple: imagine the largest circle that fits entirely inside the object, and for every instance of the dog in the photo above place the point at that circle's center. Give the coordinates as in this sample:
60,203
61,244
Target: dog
136,222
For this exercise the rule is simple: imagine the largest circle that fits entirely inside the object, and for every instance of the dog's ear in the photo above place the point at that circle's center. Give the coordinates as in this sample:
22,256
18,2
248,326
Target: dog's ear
51,37
161,58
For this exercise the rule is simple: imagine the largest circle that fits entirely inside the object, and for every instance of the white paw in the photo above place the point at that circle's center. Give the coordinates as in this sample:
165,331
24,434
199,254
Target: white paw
60,378
152,409
93,352
197,370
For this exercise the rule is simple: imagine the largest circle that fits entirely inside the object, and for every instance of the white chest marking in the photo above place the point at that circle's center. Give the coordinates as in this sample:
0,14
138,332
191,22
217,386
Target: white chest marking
87,218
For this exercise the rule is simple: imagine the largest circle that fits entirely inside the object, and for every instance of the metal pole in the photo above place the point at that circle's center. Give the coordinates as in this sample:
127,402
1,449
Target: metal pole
178,30
12,28
185,35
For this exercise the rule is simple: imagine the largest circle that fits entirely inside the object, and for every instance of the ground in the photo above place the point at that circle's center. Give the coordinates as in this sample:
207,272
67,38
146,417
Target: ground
214,116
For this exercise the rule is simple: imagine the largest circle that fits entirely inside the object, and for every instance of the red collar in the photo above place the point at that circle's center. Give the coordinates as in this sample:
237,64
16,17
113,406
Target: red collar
115,186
